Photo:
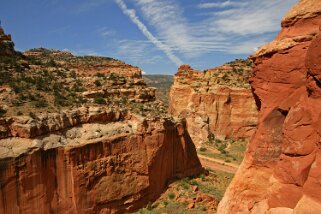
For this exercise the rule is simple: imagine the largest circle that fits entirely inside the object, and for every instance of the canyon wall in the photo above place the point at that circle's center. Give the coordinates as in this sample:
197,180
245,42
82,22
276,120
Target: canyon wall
281,172
83,135
93,161
216,103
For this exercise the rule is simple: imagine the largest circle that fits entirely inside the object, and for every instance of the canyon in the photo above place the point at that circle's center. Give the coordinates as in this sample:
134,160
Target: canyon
84,135
101,163
281,169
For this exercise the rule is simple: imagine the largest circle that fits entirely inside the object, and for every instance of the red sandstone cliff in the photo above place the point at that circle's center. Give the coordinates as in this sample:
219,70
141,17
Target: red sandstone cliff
91,161
281,172
215,102
105,144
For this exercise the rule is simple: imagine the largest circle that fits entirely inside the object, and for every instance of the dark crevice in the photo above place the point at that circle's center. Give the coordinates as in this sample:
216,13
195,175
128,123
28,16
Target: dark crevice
294,155
257,100
283,112
317,81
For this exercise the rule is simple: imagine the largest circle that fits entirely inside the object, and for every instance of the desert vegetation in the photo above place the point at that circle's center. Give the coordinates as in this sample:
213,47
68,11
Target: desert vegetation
192,195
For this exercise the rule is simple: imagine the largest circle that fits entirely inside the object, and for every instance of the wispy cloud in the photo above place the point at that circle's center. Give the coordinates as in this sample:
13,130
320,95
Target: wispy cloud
252,17
236,27
87,5
220,4
106,32
131,13
167,18
135,51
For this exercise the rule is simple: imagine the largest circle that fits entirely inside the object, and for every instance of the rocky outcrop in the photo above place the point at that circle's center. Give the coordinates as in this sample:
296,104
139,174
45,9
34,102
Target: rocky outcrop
6,44
84,135
217,102
27,127
86,65
44,80
281,169
92,161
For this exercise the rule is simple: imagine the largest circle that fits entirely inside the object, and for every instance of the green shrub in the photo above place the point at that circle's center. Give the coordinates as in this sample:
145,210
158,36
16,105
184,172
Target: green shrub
202,176
171,196
202,149
2,112
99,100
184,183
41,103
98,83
165,203
32,115
112,76
100,75
194,182
149,206
60,100
51,63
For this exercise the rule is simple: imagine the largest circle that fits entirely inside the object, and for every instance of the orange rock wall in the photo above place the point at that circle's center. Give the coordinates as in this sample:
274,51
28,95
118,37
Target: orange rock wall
119,174
209,108
281,169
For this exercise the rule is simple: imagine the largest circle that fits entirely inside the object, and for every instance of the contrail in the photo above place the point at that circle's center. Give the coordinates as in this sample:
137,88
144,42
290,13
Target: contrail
132,15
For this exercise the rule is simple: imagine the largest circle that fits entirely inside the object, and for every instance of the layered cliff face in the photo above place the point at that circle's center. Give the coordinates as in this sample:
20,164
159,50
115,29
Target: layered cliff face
217,102
281,169
95,162
84,135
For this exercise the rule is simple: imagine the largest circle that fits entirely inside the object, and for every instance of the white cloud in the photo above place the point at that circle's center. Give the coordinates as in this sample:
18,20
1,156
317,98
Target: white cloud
87,5
229,29
253,17
135,51
106,32
166,16
134,18
220,4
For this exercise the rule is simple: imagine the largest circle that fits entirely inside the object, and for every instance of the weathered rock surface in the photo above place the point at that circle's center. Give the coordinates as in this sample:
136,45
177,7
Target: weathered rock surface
281,169
6,44
95,162
86,65
215,102
45,80
95,139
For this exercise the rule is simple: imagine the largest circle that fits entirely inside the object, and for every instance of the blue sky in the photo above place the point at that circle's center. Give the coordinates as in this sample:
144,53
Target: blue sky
156,35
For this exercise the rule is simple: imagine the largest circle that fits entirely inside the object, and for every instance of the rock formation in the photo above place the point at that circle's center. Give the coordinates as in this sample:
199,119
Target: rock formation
281,172
84,135
92,161
6,44
86,65
217,102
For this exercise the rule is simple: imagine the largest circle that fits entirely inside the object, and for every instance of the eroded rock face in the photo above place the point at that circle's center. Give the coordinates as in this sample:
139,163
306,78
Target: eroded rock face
6,44
105,164
281,169
215,102
86,65
95,140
